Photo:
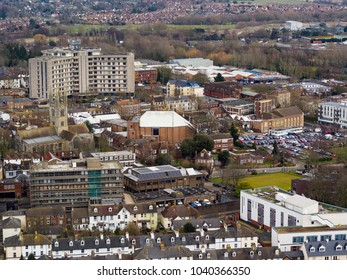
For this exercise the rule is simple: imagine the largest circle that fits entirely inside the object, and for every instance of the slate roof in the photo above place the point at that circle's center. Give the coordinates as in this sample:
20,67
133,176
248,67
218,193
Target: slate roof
259,253
150,251
104,210
11,223
232,232
141,208
182,211
289,111
198,223
46,211
37,132
27,239
63,244
325,248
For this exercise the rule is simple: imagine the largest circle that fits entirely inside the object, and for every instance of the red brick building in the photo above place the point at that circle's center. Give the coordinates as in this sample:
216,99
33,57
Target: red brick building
11,189
145,76
223,90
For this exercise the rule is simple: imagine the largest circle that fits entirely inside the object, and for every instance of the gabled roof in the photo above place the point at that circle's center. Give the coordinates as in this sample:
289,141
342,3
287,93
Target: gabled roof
46,211
181,211
11,223
150,251
26,240
37,132
289,111
78,128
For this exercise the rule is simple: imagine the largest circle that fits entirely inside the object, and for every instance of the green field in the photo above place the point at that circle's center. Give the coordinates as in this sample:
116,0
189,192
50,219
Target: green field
280,179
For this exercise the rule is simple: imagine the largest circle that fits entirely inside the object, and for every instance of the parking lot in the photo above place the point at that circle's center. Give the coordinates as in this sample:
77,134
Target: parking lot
297,145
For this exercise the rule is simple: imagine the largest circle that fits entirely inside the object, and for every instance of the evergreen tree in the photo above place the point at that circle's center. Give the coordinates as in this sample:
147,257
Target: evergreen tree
219,78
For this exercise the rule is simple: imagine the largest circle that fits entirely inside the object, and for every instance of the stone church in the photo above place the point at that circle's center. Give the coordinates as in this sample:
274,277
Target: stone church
59,136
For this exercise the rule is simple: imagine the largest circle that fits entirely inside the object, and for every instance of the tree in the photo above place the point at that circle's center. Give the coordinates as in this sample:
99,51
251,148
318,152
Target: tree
224,158
234,132
275,150
201,78
232,175
219,78
164,74
203,142
163,159
240,187
133,229
187,148
188,227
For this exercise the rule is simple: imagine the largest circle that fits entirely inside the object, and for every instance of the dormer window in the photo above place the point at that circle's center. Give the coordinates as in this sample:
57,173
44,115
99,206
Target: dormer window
108,241
251,253
96,241
338,247
158,240
122,240
71,243
312,249
197,238
82,243
321,249
226,254
207,237
172,239
183,239
200,256
208,255
150,207
110,209
147,240
95,210
234,254
135,208
133,241
56,244
259,253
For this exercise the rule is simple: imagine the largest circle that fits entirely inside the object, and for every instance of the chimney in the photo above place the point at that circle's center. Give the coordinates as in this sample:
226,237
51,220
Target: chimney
177,233
120,255
203,249
152,235
127,236
225,227
101,236
202,232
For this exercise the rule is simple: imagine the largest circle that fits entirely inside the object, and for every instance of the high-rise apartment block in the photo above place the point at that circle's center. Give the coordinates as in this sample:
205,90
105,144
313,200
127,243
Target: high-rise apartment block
77,70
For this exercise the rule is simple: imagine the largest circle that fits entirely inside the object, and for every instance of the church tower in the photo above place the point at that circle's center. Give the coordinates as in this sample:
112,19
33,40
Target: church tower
58,117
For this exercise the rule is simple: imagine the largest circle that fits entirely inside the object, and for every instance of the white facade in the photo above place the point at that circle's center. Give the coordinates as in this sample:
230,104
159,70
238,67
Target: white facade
294,25
333,113
272,207
126,158
289,239
111,222
80,70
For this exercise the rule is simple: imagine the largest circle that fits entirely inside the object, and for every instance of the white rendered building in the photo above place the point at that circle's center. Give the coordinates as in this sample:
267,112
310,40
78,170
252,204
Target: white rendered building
272,207
333,113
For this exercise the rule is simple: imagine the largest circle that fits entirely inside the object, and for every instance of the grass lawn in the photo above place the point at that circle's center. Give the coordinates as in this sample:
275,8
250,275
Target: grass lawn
280,179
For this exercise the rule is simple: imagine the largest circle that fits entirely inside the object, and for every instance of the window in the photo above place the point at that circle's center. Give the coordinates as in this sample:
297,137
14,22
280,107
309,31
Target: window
312,249
226,254
197,238
96,241
200,256
158,240
321,249
108,241
338,247
207,237
122,240
172,239
298,239
156,131
147,240
82,243
234,254
70,243
56,244
183,239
